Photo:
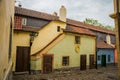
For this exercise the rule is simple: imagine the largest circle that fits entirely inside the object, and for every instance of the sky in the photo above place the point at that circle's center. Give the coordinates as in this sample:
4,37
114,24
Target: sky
76,9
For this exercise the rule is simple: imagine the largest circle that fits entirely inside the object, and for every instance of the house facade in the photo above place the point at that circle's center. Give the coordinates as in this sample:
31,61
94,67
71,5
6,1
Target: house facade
6,30
105,54
48,43
104,36
51,42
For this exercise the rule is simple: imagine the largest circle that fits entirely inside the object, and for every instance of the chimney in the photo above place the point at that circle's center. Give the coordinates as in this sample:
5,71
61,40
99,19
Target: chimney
108,39
55,14
62,14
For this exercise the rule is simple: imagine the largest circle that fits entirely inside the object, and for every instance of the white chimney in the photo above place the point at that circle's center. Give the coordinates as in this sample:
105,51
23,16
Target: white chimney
108,40
62,14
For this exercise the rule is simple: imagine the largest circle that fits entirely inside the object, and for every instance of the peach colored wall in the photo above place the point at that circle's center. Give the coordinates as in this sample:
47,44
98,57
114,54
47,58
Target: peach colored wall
6,14
116,56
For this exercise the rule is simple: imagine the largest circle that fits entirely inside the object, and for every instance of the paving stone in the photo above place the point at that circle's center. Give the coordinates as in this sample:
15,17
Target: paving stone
108,73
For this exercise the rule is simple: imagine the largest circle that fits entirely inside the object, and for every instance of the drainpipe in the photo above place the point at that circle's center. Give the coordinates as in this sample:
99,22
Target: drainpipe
32,36
96,54
118,34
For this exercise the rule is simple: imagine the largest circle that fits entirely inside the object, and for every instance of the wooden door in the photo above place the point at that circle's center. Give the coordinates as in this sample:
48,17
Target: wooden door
92,65
47,63
22,59
103,61
83,62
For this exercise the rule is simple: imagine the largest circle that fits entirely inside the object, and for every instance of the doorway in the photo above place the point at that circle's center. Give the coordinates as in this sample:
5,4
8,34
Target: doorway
92,65
22,59
103,61
83,62
47,63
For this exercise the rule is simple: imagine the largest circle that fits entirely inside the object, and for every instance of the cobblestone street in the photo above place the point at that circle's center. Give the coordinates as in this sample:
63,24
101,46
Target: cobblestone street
105,73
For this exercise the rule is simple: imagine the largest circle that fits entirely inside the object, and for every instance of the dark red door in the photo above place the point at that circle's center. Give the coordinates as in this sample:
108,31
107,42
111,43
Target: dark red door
22,59
92,65
83,62
47,63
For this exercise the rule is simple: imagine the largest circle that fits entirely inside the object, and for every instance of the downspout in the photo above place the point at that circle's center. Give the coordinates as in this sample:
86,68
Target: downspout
96,52
32,36
118,33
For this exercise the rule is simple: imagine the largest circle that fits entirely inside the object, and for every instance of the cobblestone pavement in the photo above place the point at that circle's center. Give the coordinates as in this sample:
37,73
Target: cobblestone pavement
104,73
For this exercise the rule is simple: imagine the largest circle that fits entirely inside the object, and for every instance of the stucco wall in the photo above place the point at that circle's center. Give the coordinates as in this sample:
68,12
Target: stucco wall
66,47
6,16
106,52
46,35
19,39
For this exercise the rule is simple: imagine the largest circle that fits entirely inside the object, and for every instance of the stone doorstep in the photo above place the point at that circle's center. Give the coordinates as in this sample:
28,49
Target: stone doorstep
20,73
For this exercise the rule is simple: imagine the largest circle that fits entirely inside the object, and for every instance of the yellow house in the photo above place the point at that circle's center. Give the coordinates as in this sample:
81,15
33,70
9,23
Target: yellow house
45,43
6,24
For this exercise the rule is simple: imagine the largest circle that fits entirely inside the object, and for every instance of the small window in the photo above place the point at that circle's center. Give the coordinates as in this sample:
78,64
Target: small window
77,39
65,61
98,58
24,21
109,58
58,28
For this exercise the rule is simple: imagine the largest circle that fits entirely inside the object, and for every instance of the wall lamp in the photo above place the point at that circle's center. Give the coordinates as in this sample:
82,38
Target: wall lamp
32,36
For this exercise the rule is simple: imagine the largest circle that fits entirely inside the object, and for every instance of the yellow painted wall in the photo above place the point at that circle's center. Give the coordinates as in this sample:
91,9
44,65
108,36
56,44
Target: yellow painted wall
6,13
47,34
66,47
20,38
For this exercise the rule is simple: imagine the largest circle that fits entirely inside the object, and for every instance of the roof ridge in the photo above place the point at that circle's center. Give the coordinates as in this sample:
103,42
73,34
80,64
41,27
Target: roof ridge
46,16
34,10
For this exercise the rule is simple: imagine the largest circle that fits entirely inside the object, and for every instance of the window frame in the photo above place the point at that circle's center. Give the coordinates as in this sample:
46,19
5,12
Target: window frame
109,58
98,57
67,61
77,39
58,28
24,21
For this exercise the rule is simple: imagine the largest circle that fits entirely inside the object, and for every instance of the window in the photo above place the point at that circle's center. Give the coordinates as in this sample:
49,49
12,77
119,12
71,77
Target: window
109,58
24,21
77,39
58,28
98,58
65,61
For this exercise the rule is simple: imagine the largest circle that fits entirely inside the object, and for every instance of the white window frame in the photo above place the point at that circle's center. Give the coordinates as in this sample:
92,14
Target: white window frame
24,21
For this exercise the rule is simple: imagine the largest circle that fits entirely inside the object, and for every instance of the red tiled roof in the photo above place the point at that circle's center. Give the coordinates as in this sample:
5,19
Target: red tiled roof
41,15
36,14
79,30
103,44
88,26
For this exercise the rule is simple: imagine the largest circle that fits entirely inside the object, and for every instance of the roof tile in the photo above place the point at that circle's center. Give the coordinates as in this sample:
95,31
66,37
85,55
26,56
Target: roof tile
103,44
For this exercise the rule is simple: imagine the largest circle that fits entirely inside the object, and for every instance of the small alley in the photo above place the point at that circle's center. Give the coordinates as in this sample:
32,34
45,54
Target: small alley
104,73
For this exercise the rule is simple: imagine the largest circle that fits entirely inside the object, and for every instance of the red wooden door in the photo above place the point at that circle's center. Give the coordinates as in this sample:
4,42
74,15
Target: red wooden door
83,62
22,59
47,63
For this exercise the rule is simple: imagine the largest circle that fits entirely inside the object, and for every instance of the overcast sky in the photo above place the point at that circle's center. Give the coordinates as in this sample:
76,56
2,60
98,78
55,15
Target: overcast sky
76,9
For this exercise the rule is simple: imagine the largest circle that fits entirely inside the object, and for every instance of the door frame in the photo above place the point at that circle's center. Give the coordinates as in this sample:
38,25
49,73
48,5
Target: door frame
52,55
28,57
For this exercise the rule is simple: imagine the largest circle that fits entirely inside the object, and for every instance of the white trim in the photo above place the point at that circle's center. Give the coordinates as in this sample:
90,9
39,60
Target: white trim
24,21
